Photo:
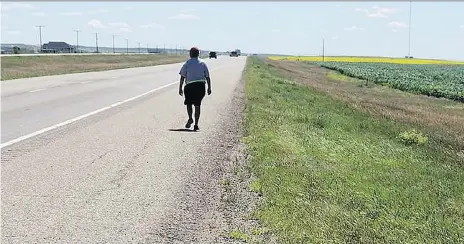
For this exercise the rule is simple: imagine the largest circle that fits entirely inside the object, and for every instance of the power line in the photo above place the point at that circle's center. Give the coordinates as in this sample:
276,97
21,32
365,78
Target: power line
40,36
127,46
113,43
96,40
409,42
77,39
323,50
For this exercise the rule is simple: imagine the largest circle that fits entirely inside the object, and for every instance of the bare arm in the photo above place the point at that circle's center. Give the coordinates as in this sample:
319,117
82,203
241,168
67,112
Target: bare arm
181,83
208,81
183,74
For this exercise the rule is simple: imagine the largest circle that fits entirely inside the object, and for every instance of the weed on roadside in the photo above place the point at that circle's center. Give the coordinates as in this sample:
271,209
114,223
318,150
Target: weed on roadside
413,137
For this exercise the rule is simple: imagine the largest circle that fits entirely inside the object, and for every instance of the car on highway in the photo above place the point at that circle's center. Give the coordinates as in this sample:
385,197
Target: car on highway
213,55
233,54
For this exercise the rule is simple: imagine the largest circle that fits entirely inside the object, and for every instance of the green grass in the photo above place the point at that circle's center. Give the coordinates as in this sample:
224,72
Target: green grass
427,79
238,235
15,67
330,173
337,76
255,186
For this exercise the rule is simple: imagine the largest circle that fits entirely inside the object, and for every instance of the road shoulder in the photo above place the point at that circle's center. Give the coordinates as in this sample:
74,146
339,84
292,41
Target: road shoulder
215,204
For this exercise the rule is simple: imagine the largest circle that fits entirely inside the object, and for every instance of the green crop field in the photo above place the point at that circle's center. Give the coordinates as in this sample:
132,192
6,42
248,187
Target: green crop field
427,79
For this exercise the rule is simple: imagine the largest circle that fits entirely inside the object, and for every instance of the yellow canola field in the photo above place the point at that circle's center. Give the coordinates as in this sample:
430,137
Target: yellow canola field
366,60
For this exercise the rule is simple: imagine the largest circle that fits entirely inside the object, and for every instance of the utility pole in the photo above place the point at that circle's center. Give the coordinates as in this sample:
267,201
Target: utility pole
409,42
127,46
147,49
96,41
77,40
40,35
176,49
323,50
113,44
139,46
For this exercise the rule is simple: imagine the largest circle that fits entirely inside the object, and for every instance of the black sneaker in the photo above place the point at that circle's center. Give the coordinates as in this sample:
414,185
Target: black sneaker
189,123
195,128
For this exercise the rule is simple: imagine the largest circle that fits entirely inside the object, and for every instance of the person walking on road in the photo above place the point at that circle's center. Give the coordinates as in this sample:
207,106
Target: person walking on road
195,73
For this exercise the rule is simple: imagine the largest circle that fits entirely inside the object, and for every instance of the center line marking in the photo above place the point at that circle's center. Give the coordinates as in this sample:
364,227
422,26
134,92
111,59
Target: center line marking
22,138
41,89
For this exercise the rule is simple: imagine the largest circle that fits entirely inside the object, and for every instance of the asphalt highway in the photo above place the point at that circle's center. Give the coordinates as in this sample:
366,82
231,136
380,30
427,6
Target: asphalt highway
95,157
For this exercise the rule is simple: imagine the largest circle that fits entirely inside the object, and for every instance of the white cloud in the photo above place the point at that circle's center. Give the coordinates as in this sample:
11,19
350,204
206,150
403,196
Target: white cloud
353,28
275,30
335,38
185,17
396,24
72,14
98,11
152,25
377,12
129,8
10,6
40,14
462,26
13,32
119,24
377,15
121,30
187,10
96,24
395,30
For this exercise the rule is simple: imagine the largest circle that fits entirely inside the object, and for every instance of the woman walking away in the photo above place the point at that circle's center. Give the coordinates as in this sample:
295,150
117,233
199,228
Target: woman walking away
195,73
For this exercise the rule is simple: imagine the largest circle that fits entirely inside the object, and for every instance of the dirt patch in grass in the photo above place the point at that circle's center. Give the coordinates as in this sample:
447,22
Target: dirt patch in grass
34,66
444,118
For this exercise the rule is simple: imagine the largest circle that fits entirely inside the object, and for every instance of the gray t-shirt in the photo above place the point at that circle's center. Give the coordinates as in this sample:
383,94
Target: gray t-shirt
194,70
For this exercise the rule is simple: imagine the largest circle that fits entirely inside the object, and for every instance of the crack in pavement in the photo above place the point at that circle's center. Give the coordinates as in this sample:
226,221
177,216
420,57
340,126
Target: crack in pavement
122,173
100,157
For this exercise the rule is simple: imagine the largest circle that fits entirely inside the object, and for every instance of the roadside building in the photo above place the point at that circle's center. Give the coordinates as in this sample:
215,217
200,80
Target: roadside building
57,47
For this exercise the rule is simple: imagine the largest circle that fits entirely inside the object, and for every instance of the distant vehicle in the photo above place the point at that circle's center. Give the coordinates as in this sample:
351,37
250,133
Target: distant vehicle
234,54
213,55
238,52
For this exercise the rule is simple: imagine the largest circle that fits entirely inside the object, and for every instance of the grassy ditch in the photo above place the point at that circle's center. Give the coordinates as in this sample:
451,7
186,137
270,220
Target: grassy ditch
330,172
15,67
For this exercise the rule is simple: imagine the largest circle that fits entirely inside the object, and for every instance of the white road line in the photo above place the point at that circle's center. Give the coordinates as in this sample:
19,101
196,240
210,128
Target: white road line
85,82
37,90
22,138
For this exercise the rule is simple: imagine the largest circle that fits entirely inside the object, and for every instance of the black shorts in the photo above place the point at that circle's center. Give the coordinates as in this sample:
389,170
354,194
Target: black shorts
194,93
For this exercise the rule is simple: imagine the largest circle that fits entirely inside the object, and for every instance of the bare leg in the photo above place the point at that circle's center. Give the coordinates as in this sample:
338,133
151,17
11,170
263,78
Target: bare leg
190,111
197,114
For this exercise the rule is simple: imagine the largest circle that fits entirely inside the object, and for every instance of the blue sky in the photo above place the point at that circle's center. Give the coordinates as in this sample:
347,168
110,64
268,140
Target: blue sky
297,28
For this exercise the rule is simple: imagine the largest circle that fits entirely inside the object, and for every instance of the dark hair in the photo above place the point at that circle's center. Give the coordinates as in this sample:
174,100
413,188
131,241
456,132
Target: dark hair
194,52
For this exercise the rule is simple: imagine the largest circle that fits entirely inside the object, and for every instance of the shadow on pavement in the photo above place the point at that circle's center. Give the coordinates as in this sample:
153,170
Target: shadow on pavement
182,130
